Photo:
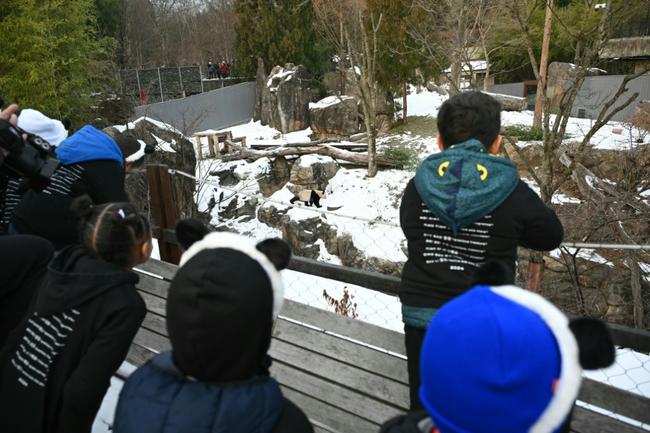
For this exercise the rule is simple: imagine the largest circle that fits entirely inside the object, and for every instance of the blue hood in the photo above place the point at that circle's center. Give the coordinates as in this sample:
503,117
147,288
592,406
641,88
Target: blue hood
88,144
465,183
157,398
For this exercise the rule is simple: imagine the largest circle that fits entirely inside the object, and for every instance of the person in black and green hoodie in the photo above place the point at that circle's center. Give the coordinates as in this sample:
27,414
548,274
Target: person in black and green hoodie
464,206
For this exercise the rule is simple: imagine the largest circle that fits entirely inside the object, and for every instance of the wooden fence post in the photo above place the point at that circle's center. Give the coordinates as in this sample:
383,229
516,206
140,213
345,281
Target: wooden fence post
162,210
534,278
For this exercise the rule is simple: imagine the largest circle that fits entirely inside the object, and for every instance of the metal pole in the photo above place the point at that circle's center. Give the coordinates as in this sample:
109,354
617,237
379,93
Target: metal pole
162,97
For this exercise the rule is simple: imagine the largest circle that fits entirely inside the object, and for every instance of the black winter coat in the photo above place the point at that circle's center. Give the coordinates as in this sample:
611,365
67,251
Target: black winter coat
441,266
56,367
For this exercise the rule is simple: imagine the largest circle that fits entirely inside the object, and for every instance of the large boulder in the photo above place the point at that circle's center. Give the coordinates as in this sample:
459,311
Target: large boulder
312,172
284,98
173,150
561,76
335,116
385,107
276,178
302,235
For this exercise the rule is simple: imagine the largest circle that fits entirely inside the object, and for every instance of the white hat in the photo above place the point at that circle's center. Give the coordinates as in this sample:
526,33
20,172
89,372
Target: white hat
37,123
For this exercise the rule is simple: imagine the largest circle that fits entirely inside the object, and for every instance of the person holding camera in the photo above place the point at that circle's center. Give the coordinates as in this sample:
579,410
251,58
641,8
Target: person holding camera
13,186
93,163
24,260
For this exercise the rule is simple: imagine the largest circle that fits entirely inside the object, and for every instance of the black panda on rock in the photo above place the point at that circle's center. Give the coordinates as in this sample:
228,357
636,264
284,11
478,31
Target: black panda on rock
309,197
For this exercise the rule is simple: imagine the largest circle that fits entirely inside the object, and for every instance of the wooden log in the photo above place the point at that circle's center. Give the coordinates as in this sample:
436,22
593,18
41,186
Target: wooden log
240,152
508,102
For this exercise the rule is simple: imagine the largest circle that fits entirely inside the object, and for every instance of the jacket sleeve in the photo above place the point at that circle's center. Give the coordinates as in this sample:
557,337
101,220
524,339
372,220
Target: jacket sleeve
85,389
409,209
541,228
106,180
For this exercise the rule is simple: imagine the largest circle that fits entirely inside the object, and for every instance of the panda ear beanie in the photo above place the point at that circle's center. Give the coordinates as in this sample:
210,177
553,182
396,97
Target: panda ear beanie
501,349
195,237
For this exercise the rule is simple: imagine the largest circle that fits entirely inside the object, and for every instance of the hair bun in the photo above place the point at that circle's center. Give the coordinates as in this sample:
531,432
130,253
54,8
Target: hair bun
82,206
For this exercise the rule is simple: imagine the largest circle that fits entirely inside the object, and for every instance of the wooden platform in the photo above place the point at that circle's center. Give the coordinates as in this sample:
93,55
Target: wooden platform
350,376
218,143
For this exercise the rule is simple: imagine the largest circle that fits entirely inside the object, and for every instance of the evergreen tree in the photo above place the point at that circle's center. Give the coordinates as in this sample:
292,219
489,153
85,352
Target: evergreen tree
400,59
279,32
49,56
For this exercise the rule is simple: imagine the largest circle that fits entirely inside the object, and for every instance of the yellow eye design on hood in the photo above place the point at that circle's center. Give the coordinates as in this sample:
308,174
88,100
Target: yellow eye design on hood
484,172
442,168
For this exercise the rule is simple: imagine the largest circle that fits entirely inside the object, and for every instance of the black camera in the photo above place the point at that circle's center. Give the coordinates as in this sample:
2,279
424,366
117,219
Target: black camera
32,158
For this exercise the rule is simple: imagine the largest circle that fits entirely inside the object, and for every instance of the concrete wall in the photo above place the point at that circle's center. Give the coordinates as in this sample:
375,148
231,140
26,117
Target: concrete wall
595,91
211,110
512,89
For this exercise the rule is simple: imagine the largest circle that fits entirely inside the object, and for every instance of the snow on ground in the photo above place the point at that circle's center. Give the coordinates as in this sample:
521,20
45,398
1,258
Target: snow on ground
588,254
259,134
427,103
158,123
558,198
424,103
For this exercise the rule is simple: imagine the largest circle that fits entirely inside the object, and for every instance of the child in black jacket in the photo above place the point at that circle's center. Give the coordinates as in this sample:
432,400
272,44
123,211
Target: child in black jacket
464,206
56,368
220,312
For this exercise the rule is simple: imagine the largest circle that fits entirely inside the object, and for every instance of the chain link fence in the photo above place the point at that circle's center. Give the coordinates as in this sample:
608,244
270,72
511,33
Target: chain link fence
581,274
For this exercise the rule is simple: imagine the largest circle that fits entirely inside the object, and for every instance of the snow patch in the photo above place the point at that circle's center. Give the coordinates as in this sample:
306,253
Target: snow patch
309,160
328,102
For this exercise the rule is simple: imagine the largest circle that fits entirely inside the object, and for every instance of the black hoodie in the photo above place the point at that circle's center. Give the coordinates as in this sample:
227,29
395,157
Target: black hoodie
57,367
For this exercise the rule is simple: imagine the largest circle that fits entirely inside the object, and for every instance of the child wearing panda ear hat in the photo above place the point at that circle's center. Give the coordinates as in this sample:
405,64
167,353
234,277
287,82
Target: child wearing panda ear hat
220,312
500,359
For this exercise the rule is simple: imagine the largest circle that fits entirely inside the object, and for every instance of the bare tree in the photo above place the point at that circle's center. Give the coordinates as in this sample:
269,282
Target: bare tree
453,32
588,39
354,31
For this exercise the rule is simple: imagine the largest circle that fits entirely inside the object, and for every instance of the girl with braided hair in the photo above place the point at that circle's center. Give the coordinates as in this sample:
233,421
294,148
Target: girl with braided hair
56,367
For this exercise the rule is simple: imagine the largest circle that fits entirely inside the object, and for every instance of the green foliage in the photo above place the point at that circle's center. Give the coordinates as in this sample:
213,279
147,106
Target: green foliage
402,156
524,133
510,56
49,58
399,59
109,16
279,32
423,126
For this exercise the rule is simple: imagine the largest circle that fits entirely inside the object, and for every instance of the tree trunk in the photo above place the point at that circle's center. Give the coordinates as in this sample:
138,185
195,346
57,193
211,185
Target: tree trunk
635,283
405,105
352,157
543,66
372,153
342,78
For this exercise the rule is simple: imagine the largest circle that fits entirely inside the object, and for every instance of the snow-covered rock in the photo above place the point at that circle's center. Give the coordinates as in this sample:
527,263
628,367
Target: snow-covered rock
284,100
335,117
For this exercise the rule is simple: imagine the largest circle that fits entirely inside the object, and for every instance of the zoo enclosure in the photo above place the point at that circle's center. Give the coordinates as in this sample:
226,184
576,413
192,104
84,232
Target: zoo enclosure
312,282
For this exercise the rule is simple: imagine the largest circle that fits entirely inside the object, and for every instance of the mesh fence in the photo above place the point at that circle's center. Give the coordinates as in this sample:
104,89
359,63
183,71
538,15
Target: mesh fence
593,281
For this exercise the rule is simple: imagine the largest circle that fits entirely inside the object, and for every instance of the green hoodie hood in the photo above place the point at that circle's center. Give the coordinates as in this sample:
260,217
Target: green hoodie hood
464,183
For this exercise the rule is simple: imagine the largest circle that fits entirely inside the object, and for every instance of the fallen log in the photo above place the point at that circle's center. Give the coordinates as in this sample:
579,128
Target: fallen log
240,152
